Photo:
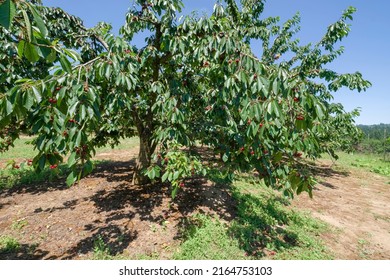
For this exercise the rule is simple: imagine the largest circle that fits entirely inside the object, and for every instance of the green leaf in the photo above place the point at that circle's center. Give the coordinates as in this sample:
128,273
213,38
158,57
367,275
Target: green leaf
38,96
30,52
88,167
71,179
8,107
225,157
21,47
65,64
72,54
52,56
40,24
28,25
42,162
7,13
165,176
72,159
174,192
28,100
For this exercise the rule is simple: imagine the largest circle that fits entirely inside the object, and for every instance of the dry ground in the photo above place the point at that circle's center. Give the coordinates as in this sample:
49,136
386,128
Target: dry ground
52,221
357,204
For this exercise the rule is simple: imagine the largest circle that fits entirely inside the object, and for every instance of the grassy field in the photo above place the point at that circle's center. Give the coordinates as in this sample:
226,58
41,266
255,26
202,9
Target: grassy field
24,151
370,162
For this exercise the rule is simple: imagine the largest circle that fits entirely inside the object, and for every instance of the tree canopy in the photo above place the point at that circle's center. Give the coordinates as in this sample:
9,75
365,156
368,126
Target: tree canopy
197,80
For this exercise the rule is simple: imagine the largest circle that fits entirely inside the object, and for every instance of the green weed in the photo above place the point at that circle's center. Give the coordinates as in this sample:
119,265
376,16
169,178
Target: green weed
101,250
8,245
19,224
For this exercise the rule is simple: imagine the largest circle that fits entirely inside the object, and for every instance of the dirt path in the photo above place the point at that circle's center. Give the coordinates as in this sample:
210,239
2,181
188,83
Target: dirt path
52,221
357,204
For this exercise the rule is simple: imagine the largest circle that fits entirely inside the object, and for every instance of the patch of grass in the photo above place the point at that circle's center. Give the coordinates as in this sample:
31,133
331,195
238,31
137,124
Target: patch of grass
207,238
265,228
19,224
124,144
23,149
10,177
101,250
363,248
26,175
369,162
8,245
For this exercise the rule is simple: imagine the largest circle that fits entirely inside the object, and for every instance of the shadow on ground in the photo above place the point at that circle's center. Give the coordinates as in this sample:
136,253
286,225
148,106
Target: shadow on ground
118,214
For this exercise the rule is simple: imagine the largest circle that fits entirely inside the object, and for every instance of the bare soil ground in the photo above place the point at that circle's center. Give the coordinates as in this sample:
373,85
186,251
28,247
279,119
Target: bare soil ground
52,221
357,204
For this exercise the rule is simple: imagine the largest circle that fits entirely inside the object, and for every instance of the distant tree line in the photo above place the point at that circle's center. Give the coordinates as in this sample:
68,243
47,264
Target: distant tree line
375,139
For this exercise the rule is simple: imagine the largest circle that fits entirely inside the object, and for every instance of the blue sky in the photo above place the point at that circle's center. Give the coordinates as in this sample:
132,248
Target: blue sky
366,48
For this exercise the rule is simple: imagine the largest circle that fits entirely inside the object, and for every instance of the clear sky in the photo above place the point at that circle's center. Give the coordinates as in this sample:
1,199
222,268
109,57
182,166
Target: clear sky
366,48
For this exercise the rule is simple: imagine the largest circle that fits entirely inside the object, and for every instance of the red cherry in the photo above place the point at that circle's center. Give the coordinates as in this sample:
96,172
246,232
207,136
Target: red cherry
16,166
237,60
181,185
261,124
255,76
242,149
252,153
54,166
300,118
296,99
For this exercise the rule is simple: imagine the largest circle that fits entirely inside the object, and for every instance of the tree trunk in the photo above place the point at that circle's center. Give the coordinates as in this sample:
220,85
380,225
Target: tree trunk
144,158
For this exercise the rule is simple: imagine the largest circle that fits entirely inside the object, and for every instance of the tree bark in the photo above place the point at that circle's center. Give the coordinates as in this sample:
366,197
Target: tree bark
144,158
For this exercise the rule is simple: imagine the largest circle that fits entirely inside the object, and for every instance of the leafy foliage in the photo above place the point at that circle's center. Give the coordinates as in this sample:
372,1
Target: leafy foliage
196,80
375,139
